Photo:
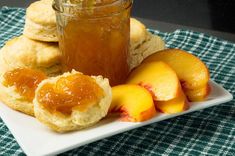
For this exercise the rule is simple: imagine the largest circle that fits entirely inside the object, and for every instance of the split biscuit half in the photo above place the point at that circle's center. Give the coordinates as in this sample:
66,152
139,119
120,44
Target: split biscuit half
80,116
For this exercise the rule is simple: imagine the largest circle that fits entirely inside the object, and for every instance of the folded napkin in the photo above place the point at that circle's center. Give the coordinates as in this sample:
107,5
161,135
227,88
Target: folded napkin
206,132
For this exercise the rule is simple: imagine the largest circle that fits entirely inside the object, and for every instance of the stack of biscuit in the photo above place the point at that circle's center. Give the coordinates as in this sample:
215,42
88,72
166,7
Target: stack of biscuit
37,49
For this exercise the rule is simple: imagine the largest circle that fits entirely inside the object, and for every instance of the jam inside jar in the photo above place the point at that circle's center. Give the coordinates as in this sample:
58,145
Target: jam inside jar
94,37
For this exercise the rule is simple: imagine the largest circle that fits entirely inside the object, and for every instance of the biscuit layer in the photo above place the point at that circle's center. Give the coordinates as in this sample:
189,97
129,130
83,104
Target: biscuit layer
153,44
10,97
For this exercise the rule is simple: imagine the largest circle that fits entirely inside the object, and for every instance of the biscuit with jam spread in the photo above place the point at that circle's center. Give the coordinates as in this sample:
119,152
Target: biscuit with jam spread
17,89
72,101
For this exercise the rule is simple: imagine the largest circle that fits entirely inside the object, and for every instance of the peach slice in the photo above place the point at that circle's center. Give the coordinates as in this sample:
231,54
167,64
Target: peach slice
198,94
176,105
158,78
134,103
192,72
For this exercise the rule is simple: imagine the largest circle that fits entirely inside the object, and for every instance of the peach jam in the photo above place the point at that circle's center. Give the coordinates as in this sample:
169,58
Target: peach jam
71,92
25,80
94,37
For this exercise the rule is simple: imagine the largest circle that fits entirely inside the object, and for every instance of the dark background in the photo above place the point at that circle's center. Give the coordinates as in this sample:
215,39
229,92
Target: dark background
210,14
216,15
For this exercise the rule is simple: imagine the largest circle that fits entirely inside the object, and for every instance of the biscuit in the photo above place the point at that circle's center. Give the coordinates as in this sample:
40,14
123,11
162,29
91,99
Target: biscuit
16,100
22,52
3,66
142,43
59,122
153,44
138,33
40,22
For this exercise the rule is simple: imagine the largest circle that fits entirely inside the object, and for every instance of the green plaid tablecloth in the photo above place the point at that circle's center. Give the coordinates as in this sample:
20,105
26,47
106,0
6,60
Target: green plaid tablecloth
206,132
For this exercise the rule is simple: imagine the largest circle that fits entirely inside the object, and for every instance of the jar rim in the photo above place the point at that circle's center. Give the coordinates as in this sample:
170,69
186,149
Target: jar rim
58,9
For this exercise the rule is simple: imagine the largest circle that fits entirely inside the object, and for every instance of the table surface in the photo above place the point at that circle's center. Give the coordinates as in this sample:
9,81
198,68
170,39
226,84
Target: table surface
170,27
169,15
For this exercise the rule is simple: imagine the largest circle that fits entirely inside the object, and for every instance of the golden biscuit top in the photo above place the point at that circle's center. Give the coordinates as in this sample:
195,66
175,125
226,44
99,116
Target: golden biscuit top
23,52
138,33
41,12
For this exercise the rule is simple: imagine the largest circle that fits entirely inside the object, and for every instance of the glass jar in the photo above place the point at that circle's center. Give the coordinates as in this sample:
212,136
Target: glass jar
94,37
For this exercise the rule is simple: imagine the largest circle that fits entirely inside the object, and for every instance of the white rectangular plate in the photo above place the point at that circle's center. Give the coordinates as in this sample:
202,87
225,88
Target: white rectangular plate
36,139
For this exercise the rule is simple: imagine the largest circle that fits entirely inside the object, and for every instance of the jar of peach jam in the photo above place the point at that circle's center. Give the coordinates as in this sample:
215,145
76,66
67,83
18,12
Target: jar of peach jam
94,36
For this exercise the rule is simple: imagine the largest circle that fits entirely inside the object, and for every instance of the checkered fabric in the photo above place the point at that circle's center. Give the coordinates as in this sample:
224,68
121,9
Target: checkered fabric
206,132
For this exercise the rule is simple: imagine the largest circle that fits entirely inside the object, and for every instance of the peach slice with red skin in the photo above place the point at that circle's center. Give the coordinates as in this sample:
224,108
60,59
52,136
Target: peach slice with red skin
176,105
192,72
157,77
133,102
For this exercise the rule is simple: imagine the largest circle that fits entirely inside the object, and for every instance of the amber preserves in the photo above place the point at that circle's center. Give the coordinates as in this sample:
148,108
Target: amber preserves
95,41
75,91
25,81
